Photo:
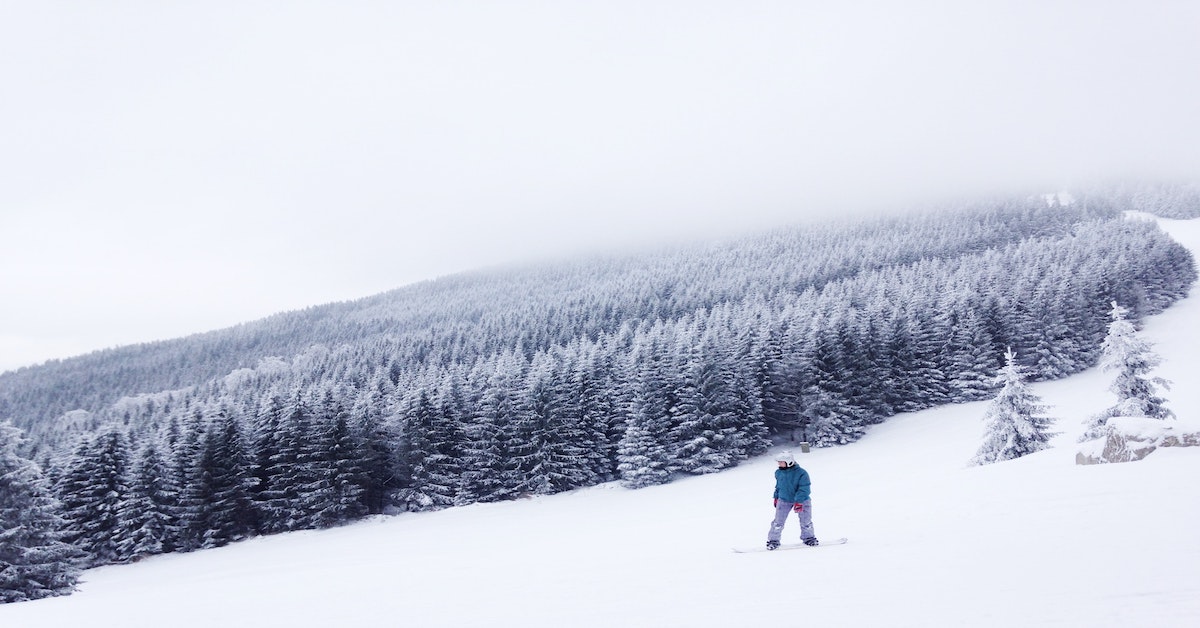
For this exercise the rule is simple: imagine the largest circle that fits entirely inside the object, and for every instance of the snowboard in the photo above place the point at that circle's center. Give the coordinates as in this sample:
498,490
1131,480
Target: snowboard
788,546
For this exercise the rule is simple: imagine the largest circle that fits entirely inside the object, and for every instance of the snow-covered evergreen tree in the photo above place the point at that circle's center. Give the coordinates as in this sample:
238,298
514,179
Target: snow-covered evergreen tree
378,437
970,361
830,418
643,458
1014,424
145,515
777,377
341,471
291,475
224,466
264,445
190,513
1132,358
557,444
432,454
487,437
716,424
903,391
592,401
34,561
92,491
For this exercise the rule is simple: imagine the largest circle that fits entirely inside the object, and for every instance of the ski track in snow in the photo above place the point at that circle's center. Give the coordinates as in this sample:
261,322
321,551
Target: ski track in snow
1037,541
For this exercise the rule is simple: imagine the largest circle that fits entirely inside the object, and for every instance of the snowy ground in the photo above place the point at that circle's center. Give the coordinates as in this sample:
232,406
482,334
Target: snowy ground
1033,542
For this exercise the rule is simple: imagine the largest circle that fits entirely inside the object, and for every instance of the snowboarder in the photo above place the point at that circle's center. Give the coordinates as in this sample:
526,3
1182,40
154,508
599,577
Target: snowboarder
791,494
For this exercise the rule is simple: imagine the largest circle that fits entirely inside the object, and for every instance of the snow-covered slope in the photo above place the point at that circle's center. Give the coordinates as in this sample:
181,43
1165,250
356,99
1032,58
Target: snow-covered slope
1037,541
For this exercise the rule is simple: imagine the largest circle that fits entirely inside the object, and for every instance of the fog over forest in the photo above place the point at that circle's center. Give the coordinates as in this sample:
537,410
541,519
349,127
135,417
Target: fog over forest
177,169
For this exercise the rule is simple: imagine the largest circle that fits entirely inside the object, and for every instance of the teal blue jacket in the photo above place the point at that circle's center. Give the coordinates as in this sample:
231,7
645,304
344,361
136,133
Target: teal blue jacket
791,484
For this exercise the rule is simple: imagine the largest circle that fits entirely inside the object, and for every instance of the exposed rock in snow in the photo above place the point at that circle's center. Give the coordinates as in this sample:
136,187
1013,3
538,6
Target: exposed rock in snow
1128,439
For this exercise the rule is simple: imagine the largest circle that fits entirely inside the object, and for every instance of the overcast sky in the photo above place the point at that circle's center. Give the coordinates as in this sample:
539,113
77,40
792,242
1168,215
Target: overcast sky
168,168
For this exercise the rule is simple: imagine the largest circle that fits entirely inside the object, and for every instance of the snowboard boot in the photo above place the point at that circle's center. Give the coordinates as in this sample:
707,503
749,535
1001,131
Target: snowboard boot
772,545
811,542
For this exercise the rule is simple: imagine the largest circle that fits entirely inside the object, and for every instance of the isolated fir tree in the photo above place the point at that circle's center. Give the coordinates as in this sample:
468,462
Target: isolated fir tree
34,561
1131,357
1014,425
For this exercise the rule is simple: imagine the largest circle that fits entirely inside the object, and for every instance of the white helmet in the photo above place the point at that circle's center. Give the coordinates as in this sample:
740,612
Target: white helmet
786,456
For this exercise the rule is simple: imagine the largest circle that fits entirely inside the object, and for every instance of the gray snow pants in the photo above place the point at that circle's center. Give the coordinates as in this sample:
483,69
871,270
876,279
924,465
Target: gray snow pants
781,514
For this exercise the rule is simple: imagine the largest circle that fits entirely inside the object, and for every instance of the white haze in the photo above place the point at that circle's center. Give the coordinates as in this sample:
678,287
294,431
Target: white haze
172,168
1037,541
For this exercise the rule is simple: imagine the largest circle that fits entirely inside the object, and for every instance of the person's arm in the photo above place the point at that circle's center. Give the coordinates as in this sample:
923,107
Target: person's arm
802,486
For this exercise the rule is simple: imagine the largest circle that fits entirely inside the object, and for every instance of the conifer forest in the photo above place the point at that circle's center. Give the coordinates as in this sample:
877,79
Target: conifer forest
504,383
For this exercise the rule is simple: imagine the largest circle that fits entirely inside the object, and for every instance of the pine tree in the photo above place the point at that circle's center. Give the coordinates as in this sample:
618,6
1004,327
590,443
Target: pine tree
591,402
830,418
290,474
971,365
643,458
929,334
145,514
378,460
486,476
778,377
563,443
341,465
903,392
231,516
264,444
92,491
1131,357
716,425
191,506
34,561
1013,425
432,454
526,435
1053,347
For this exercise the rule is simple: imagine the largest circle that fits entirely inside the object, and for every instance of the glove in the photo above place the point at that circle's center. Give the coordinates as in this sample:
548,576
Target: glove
798,507
775,502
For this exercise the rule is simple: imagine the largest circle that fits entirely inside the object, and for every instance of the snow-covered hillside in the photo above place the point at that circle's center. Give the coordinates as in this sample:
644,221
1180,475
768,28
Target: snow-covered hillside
1038,541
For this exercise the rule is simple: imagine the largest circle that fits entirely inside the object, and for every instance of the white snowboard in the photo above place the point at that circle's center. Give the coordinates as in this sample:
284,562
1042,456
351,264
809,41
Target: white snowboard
788,546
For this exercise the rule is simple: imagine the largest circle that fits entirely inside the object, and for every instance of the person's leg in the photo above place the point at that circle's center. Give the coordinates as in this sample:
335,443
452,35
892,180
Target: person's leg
806,524
781,513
